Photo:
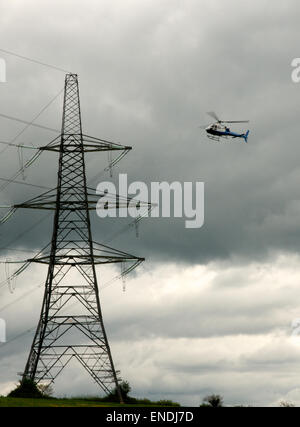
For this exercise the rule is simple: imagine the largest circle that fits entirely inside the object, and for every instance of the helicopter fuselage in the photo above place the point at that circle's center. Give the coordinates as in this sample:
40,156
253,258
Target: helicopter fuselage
217,130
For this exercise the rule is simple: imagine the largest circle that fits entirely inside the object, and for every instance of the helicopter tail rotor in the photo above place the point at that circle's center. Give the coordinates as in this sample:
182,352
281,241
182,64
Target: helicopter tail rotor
245,136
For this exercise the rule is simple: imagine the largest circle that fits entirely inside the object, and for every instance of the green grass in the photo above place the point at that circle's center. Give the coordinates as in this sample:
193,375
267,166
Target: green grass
75,402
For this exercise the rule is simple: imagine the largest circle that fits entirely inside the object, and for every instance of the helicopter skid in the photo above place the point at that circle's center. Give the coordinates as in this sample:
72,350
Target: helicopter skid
213,138
216,137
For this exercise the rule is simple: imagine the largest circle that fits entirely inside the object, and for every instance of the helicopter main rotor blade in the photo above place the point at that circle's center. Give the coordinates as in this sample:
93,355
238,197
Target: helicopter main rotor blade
203,126
213,115
234,121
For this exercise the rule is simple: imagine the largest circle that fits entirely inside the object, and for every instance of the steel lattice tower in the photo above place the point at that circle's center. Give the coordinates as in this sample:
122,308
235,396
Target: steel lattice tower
71,323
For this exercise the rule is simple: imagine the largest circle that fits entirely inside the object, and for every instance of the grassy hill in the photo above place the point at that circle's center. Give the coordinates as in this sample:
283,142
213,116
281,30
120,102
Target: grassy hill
77,402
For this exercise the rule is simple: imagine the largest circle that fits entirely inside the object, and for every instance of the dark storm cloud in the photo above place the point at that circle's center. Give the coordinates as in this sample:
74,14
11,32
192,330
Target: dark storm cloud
148,74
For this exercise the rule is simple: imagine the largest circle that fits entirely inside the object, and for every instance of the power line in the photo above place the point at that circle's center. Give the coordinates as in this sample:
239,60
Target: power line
16,119
28,124
19,236
18,299
11,181
21,171
18,336
31,147
27,58
18,250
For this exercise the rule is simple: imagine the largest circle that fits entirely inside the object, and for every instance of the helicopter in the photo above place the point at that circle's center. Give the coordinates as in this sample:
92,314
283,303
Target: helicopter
219,130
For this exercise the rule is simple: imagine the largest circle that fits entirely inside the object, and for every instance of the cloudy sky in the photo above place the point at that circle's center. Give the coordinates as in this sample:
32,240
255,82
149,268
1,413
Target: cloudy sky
211,309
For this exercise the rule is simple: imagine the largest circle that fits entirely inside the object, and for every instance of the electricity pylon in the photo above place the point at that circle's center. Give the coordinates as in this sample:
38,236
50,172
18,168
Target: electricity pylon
71,323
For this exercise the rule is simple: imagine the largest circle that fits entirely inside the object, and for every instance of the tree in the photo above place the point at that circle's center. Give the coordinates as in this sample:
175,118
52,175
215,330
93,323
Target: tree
26,389
286,405
212,401
125,389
